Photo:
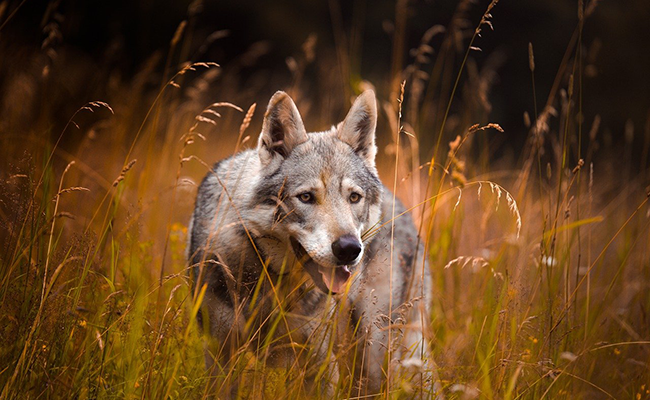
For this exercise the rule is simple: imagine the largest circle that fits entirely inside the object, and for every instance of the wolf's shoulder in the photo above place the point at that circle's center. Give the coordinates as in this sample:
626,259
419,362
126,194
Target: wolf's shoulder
387,197
224,172
404,224
229,165
228,173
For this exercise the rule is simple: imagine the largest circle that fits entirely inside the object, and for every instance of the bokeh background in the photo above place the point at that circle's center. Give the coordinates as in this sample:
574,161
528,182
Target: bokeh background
92,47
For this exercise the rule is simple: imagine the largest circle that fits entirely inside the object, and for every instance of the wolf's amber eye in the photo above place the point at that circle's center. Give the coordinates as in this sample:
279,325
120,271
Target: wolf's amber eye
355,197
306,197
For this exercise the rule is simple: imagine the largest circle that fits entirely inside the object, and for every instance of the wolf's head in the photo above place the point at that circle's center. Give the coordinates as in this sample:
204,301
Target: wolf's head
322,187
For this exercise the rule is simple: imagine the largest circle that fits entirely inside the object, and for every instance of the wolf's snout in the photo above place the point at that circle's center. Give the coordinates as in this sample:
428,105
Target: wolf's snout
346,249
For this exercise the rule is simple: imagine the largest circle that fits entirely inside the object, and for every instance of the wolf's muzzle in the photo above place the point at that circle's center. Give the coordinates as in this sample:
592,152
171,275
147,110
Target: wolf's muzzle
346,249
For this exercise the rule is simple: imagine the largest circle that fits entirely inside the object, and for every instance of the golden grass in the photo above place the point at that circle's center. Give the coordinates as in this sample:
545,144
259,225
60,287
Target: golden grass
540,262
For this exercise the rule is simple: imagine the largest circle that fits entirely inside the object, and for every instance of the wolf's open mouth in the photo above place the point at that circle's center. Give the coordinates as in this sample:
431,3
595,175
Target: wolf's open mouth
329,280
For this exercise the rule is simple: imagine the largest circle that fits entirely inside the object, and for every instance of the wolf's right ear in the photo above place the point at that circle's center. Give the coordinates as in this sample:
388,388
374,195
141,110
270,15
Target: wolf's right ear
358,127
282,129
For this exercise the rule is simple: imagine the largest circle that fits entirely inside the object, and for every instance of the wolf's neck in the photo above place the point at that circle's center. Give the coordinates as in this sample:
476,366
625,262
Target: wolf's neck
277,254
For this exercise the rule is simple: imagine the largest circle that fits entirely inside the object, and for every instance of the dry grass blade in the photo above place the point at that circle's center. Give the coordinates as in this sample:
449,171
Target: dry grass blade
125,169
73,189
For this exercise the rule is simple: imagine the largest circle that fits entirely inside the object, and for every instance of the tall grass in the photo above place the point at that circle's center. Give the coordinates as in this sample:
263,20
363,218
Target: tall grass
539,261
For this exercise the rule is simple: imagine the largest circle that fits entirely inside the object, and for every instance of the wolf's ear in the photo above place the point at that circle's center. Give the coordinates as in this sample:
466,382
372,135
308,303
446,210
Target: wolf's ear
358,127
282,129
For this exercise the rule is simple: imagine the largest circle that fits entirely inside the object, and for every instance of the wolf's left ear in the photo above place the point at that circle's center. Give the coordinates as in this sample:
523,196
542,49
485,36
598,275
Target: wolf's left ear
282,129
358,127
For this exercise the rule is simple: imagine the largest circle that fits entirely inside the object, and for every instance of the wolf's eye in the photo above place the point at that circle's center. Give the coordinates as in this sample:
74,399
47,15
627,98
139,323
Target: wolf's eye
355,197
306,197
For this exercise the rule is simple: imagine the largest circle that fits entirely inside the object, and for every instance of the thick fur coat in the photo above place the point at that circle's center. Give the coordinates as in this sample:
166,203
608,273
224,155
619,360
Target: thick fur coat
293,240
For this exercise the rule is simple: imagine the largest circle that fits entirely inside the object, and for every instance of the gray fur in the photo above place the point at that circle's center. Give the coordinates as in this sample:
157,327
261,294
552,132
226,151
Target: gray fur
248,212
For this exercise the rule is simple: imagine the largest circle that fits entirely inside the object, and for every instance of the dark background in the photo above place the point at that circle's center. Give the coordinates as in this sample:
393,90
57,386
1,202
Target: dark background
118,37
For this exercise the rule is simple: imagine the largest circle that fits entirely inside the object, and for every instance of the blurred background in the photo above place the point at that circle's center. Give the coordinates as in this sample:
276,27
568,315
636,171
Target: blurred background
88,50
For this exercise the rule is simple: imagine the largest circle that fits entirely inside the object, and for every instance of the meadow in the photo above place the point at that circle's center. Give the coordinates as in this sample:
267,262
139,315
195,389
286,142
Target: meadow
539,254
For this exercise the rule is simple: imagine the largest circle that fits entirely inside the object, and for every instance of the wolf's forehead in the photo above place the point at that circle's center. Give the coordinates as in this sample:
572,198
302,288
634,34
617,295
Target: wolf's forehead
325,159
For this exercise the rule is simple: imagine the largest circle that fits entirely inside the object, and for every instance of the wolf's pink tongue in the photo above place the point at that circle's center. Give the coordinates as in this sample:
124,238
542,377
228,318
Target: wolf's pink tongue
335,278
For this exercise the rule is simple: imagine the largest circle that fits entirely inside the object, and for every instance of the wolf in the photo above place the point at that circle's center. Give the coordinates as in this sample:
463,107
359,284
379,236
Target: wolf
299,261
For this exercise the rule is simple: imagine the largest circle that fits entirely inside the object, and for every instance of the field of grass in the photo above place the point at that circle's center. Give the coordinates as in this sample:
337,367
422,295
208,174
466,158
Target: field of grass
539,255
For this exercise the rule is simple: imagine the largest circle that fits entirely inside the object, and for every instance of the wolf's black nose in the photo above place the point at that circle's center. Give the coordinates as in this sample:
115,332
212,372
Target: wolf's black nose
346,248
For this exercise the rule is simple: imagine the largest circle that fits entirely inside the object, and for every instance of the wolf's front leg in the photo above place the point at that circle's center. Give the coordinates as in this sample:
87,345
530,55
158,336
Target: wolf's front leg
222,340
395,350
290,373
414,359
310,352
401,356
